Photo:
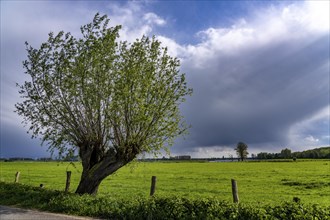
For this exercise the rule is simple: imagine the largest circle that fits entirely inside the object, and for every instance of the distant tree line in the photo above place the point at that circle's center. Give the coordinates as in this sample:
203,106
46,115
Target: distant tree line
317,153
17,159
68,158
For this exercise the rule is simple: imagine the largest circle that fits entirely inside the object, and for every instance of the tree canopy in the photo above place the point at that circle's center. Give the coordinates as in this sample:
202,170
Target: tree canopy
241,150
110,99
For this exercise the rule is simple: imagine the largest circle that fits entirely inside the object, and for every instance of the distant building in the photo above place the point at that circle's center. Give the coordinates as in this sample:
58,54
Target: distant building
181,157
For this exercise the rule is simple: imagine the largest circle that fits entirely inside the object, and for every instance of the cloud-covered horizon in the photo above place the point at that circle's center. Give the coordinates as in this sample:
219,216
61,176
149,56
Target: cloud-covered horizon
256,81
263,79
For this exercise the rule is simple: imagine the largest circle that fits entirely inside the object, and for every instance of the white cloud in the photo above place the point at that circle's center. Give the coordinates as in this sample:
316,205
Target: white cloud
129,17
152,18
174,49
269,26
312,139
134,20
317,16
318,124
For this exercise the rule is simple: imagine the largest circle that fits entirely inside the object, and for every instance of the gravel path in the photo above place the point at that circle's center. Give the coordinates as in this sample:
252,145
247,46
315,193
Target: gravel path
11,213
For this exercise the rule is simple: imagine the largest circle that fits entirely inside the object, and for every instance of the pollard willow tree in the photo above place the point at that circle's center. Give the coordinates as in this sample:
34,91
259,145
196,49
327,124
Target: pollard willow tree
109,99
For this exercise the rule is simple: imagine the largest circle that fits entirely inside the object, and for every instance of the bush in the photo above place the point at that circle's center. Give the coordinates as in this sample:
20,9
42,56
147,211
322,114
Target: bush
152,207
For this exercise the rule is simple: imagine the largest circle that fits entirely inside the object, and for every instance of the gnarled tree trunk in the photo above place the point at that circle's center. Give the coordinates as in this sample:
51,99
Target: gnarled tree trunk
92,177
97,165
88,185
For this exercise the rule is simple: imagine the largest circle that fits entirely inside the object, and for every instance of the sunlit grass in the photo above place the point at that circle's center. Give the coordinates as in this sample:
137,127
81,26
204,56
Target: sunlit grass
263,182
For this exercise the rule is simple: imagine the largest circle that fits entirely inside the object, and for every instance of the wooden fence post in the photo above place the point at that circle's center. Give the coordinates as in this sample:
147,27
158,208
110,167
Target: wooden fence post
68,181
17,176
153,185
234,190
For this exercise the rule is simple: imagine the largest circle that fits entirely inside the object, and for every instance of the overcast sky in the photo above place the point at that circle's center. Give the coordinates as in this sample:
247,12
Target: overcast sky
259,69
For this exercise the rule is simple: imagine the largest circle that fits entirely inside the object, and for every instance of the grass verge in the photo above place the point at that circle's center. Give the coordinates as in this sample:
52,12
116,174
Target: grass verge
151,207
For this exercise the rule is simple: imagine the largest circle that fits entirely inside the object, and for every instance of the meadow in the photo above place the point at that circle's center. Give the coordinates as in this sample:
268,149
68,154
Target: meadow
258,182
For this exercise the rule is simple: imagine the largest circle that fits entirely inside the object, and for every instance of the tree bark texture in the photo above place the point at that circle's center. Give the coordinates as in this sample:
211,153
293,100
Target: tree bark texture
97,165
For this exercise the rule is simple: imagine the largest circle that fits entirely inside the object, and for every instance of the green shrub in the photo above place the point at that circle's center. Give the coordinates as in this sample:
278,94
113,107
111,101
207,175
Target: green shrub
115,207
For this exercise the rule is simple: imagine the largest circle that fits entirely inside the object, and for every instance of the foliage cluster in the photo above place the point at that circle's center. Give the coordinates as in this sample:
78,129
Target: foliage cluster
152,207
317,153
108,99
241,150
323,152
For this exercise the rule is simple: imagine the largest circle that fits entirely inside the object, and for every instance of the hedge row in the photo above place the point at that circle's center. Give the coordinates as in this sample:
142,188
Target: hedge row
151,208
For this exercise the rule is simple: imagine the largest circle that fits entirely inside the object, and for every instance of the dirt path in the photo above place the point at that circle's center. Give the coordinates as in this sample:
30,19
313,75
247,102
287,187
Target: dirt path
11,213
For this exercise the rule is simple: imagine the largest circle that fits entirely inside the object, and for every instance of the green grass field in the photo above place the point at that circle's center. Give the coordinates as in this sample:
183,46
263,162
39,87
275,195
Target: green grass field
258,182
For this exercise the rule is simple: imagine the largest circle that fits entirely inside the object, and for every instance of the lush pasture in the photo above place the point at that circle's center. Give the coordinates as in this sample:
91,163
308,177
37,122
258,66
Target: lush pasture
258,182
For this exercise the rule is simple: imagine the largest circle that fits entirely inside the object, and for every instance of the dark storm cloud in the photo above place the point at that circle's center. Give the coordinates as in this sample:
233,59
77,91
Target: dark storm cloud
255,96
264,80
15,142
